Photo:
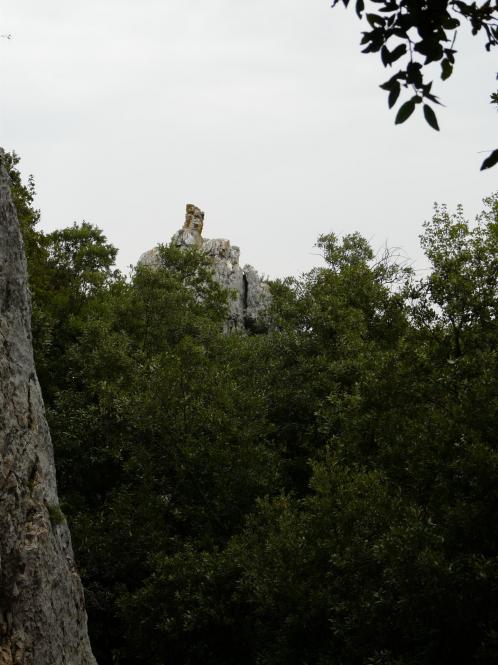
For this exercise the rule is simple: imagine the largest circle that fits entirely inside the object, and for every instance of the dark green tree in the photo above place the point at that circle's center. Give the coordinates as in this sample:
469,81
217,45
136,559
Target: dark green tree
78,266
391,558
174,455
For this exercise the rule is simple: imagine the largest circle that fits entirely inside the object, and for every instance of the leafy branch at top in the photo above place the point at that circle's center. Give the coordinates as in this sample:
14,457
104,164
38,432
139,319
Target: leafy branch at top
417,33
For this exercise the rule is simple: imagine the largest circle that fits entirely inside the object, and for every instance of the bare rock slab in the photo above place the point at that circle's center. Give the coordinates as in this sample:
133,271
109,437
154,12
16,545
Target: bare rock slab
42,613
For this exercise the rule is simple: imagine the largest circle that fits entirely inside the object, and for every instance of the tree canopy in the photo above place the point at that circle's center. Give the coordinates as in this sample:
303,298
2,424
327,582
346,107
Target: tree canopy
323,491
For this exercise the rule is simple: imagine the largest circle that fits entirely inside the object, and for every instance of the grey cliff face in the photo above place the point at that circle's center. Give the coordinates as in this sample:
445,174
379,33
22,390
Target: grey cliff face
252,295
42,613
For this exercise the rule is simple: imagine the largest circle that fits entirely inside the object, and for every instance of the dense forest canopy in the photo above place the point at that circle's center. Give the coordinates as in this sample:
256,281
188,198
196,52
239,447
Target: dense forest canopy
321,491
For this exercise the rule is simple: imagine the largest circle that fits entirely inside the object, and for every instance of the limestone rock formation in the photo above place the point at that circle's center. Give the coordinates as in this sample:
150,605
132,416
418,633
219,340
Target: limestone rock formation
252,295
42,612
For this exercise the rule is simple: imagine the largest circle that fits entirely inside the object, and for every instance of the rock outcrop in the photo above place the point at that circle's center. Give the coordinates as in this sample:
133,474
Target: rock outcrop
42,612
249,307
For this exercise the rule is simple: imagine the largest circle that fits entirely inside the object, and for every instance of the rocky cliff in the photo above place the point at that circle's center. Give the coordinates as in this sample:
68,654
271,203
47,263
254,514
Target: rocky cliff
42,612
252,294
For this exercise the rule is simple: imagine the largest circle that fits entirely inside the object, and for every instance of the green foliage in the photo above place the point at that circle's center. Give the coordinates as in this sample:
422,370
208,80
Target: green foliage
56,515
23,196
69,269
420,33
391,557
321,492
490,161
462,284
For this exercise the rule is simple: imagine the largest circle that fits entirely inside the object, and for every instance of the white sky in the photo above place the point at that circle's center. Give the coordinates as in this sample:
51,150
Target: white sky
263,113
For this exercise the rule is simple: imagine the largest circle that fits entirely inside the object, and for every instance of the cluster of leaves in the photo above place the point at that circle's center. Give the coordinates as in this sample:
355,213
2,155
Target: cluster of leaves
321,492
418,33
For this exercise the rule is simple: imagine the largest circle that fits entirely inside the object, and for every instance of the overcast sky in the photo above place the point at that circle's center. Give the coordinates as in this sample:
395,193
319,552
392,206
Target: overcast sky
263,112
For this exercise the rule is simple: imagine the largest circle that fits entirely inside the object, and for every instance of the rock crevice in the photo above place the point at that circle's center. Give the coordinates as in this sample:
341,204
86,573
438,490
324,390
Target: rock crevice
249,307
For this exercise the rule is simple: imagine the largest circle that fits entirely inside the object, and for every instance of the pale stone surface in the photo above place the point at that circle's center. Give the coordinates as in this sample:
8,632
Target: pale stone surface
42,612
191,233
252,295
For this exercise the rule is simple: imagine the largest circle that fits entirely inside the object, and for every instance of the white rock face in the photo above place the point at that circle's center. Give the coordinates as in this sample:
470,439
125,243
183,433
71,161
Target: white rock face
252,296
42,612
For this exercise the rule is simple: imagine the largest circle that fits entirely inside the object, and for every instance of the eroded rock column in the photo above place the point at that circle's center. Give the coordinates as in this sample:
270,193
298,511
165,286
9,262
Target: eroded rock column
248,309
